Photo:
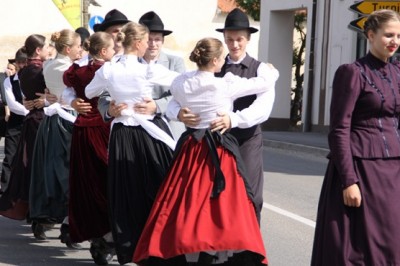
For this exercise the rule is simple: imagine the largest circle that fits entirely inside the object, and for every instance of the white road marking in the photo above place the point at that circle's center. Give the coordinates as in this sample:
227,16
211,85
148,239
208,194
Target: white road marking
289,215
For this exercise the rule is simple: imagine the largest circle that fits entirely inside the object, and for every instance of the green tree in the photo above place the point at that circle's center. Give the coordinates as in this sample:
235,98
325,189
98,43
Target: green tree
298,61
251,7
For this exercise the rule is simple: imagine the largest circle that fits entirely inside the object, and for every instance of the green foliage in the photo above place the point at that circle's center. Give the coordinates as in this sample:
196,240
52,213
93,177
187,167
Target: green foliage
251,7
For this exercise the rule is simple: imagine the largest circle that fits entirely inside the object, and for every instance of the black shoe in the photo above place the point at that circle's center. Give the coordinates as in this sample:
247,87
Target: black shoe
38,231
244,258
205,259
65,238
101,251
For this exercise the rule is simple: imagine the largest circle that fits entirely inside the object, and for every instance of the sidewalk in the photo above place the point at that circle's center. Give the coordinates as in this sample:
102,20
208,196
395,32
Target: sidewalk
309,142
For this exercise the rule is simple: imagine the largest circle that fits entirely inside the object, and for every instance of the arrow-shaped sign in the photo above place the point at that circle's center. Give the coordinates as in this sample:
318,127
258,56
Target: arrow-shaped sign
367,7
358,24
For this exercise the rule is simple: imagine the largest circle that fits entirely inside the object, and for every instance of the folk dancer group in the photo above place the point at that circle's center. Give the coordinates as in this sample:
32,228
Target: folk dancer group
129,151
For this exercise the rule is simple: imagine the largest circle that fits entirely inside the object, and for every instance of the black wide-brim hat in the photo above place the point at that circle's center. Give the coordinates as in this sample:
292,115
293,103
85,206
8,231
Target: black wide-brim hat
237,20
154,23
114,17
19,57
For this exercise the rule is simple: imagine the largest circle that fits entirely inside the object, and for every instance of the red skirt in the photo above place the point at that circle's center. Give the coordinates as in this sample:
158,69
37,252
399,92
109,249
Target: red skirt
88,213
184,219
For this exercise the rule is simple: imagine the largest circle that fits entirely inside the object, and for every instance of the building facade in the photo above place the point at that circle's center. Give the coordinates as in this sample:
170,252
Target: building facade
329,44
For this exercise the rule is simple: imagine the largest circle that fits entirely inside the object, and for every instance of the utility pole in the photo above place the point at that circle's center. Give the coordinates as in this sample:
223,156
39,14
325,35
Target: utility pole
85,13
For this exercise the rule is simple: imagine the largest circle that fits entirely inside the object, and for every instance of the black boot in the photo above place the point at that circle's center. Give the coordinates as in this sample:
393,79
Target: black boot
205,259
244,258
101,251
175,261
38,230
65,238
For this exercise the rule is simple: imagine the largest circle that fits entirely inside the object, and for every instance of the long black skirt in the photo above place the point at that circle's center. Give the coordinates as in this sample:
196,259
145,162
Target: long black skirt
48,196
14,202
137,165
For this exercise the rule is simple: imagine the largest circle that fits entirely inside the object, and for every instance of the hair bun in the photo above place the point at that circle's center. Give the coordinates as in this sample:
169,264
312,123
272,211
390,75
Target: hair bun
55,36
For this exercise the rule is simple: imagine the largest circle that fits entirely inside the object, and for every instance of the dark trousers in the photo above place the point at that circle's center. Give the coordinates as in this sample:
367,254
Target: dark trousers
251,151
12,136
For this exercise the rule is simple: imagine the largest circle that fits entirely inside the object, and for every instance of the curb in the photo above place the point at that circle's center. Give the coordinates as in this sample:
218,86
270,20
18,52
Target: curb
296,147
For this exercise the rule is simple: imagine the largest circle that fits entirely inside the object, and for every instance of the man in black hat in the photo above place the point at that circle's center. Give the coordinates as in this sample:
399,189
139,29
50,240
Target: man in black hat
13,100
249,111
112,24
154,54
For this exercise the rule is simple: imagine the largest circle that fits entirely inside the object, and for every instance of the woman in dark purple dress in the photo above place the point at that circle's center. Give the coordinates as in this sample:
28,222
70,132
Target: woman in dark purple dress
358,216
14,202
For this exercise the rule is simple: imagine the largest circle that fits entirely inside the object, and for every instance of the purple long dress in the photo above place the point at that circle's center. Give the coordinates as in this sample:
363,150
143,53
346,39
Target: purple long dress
364,140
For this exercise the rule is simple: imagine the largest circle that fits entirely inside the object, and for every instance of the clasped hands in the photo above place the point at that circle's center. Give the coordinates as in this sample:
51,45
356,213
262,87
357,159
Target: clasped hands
147,107
78,104
41,101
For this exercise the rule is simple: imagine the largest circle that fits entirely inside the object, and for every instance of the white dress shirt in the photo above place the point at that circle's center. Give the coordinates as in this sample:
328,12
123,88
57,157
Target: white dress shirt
260,110
206,95
12,103
53,71
256,113
128,81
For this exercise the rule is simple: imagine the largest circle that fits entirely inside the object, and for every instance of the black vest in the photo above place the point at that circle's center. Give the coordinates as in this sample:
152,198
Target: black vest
246,69
15,119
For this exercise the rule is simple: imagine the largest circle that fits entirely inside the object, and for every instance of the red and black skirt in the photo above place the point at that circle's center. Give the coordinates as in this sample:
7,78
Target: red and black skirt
203,204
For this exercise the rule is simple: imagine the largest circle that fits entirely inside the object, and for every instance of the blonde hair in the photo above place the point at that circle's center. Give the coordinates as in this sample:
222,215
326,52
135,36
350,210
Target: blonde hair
64,38
377,18
130,33
205,51
96,42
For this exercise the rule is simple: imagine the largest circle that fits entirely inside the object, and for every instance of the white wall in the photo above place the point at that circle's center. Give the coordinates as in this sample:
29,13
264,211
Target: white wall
20,18
276,46
340,43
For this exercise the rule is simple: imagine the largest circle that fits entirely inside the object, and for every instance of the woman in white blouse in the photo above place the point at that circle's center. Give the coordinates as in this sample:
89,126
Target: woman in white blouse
141,146
50,162
204,209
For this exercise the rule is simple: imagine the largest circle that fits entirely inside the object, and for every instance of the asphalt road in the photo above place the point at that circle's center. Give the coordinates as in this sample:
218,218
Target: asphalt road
291,191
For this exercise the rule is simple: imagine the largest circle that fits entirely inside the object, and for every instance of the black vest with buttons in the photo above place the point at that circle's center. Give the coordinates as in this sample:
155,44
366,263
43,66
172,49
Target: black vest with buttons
246,69
15,119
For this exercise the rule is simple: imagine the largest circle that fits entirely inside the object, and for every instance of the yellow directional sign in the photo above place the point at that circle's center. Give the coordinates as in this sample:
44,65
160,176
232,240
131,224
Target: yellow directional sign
367,7
71,10
358,24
